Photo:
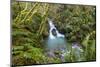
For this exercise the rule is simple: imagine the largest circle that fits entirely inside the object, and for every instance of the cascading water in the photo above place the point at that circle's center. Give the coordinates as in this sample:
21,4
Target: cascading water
56,41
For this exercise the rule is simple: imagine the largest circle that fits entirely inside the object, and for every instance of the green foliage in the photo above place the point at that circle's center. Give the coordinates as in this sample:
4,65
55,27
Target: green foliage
90,47
30,29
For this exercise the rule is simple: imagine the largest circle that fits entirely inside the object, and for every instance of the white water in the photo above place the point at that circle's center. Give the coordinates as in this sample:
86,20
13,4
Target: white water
53,27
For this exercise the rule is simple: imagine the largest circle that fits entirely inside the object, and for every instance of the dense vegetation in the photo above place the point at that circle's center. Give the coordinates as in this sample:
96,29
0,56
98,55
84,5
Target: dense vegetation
30,30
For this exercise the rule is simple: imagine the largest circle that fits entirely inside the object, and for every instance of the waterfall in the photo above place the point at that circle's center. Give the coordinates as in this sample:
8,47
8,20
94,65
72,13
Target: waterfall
53,27
56,41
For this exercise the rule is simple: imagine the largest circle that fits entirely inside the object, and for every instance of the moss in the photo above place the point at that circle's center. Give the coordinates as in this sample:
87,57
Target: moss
30,29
